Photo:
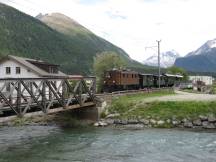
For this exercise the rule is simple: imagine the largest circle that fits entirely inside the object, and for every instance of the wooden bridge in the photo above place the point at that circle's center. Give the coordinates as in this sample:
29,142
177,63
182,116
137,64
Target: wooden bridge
47,95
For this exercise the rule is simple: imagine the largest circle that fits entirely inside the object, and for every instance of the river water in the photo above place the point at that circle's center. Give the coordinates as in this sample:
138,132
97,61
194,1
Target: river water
53,144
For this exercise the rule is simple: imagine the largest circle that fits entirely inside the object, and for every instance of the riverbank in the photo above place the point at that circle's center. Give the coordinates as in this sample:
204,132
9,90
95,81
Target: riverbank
164,109
63,119
141,111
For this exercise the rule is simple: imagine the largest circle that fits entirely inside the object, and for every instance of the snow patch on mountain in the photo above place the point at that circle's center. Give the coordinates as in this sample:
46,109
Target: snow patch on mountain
207,47
167,59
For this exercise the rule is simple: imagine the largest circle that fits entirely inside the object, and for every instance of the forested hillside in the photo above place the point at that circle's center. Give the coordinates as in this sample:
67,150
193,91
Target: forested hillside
23,35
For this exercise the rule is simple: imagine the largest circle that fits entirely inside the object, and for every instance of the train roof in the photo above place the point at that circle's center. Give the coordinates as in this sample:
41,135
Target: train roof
174,75
147,74
167,75
122,71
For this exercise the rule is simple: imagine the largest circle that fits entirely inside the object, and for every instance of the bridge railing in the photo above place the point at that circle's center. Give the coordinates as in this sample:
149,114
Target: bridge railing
22,95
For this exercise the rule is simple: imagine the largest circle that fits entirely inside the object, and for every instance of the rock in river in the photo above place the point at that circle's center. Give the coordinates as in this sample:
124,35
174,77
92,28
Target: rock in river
211,118
152,121
144,121
188,124
210,126
203,118
160,122
132,121
197,122
100,124
113,115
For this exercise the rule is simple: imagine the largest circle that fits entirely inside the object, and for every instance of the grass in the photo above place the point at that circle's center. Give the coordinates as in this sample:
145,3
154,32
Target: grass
133,107
170,109
125,103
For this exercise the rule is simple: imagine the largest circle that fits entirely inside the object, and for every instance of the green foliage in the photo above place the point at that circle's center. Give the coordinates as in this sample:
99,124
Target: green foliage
178,70
106,61
126,103
103,114
133,107
21,121
179,109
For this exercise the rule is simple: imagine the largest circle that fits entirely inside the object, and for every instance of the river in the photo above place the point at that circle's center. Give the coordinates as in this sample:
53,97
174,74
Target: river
53,144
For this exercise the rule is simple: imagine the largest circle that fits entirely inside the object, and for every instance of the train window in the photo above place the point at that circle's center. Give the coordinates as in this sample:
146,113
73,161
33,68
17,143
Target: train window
123,75
132,75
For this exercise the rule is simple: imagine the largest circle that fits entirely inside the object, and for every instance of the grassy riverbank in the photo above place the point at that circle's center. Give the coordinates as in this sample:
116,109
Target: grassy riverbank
163,114
172,109
133,106
126,103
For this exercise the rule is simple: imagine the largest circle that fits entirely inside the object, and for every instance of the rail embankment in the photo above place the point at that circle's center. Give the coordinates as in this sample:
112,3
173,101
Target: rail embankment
164,109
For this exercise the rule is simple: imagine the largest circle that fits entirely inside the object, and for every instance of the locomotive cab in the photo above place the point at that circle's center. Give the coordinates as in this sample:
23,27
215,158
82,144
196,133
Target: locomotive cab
117,80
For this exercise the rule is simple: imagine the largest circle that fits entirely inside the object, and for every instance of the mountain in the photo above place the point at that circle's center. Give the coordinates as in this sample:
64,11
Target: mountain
54,38
91,42
201,60
167,59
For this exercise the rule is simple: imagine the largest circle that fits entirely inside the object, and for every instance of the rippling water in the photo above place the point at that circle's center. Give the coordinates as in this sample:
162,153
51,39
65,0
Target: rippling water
52,144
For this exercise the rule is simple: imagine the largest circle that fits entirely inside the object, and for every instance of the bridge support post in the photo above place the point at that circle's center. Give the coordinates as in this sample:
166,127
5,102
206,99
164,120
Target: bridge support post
8,87
44,97
80,93
94,86
64,91
18,101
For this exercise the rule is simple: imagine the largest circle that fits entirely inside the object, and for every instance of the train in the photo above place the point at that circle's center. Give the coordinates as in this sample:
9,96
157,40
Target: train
118,80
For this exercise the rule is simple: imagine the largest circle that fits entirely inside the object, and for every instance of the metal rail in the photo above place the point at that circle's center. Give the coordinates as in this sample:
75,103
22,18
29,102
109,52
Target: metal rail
23,95
145,90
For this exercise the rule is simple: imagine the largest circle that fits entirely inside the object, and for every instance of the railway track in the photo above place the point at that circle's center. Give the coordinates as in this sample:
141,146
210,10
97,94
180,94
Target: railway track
109,96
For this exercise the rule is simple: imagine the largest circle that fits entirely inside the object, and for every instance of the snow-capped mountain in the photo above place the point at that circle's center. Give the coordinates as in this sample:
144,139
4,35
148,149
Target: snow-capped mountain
201,60
167,59
207,47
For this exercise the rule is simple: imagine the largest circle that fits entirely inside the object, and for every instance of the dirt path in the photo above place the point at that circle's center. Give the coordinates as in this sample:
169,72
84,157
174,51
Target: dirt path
183,96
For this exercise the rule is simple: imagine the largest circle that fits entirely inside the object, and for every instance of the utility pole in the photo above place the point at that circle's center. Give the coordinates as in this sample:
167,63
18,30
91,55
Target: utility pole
159,71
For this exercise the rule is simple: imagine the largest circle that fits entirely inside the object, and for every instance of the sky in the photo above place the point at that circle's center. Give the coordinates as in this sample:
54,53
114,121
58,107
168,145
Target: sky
133,25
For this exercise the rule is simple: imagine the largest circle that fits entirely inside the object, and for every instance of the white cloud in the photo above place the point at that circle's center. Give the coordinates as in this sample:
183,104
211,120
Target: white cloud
182,25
